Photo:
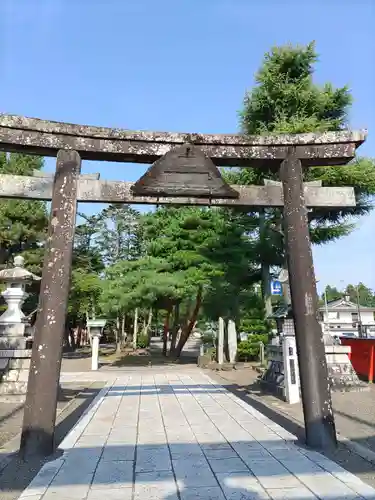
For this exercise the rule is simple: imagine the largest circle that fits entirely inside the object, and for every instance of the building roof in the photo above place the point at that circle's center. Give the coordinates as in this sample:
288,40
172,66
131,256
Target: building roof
344,305
283,311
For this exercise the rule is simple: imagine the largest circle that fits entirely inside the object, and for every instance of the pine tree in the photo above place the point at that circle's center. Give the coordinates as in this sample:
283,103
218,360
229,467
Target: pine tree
23,224
285,99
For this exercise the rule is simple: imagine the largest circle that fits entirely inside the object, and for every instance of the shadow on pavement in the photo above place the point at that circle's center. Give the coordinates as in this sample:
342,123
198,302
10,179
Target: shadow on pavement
65,395
239,469
15,474
348,459
354,418
244,468
147,359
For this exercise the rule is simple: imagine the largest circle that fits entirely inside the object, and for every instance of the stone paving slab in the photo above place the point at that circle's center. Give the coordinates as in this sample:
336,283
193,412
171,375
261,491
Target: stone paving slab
179,435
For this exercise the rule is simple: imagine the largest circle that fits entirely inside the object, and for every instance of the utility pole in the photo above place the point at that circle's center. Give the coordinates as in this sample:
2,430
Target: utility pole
316,396
326,308
360,328
43,385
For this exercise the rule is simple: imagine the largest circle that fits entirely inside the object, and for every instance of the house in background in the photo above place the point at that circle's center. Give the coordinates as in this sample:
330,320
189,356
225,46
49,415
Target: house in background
340,317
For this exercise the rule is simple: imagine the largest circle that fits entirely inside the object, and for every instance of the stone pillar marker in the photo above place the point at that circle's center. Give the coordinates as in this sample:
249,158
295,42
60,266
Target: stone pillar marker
220,342
14,357
261,353
291,369
96,327
232,341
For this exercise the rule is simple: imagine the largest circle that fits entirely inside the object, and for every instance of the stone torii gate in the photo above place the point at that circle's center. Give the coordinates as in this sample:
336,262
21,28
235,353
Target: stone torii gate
183,172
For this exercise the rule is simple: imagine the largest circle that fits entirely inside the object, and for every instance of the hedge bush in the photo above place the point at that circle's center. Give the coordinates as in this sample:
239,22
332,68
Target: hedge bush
248,350
208,339
142,341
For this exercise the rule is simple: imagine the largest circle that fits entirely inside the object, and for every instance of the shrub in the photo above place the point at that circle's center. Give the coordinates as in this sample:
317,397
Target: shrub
208,339
256,326
142,341
248,350
212,353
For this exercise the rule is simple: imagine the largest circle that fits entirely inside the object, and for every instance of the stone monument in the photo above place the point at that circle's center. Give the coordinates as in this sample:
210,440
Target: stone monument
232,341
220,342
14,327
341,375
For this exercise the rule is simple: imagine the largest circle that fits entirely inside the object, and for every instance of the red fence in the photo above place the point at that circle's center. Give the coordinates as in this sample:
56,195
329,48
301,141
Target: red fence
362,356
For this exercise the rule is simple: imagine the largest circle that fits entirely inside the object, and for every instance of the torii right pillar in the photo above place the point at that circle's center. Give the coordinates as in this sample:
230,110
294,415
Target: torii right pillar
316,394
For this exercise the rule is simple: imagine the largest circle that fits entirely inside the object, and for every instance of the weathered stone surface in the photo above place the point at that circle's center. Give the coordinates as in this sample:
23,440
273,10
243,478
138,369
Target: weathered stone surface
14,372
36,136
26,123
271,182
232,341
204,360
10,376
220,342
13,388
184,171
341,375
19,364
17,186
43,382
16,342
51,175
15,353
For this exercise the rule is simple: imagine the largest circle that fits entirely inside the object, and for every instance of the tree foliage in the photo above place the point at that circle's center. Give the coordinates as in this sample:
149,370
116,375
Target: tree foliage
23,224
189,263
331,293
195,261
356,293
285,99
117,236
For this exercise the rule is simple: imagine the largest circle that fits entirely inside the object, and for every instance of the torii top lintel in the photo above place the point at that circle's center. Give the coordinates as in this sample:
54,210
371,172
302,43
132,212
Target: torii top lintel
35,136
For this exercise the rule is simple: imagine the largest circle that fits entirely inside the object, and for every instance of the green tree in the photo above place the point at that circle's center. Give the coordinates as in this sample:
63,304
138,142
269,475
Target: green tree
118,237
331,293
208,248
285,99
23,224
86,269
145,284
118,240
362,294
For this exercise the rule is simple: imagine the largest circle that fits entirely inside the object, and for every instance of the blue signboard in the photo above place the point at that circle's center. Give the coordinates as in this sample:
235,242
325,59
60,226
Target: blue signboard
276,288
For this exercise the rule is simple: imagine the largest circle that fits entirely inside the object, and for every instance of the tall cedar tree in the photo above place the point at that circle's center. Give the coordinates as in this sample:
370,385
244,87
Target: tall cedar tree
285,99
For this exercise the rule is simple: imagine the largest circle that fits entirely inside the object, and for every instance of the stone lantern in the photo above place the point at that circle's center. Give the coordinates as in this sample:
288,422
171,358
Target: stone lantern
95,327
14,357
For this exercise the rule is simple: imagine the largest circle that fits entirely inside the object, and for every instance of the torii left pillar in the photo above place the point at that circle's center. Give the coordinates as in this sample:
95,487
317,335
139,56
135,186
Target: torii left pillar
43,385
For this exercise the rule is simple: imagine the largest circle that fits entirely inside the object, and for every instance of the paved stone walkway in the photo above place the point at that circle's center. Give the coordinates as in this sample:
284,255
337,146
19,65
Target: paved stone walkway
178,435
354,411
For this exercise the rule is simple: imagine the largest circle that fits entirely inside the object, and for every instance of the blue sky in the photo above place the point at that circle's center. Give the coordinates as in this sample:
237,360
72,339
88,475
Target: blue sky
183,65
